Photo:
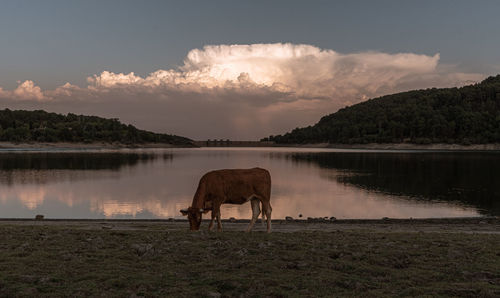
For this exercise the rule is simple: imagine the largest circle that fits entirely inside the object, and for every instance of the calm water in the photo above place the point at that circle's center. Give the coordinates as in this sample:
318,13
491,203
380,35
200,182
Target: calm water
157,183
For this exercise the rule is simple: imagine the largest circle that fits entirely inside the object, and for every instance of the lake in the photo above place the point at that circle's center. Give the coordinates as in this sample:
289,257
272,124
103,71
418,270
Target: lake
157,183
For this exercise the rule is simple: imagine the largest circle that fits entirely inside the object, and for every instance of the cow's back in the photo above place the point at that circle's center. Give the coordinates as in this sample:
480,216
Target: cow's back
237,185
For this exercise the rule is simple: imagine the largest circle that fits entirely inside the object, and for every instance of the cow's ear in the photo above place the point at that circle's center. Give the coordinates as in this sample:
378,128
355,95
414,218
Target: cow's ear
206,210
184,212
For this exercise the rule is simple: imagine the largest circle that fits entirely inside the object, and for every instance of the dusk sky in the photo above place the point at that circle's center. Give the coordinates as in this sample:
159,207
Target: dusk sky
236,69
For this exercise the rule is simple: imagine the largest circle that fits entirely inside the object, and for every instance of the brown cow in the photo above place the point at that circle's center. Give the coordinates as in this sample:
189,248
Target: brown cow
235,186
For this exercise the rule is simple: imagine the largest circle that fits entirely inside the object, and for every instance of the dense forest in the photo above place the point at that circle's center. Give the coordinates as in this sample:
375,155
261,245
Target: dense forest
466,115
41,126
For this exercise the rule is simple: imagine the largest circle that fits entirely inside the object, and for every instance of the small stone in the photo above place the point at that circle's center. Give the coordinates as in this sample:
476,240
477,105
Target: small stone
214,294
39,217
232,219
142,249
310,219
300,214
333,218
262,245
385,218
289,218
242,252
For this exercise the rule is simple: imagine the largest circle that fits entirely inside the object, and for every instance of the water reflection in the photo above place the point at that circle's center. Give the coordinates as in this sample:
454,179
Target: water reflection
46,167
75,160
467,178
157,183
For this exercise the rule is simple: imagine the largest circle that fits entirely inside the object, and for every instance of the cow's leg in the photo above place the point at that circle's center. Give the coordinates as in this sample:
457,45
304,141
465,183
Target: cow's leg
255,212
217,214
263,220
266,207
211,225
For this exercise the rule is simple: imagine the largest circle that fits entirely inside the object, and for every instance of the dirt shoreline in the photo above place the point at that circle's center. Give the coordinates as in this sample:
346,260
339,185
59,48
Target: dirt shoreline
371,146
489,225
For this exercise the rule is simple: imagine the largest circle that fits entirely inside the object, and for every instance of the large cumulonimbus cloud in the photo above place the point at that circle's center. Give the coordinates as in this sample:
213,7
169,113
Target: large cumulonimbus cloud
242,91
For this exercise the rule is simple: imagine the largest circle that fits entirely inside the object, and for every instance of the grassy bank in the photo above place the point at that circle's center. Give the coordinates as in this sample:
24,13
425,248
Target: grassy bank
151,259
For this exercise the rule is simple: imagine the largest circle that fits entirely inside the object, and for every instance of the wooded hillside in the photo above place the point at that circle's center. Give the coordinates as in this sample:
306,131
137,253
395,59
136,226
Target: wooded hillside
466,115
41,126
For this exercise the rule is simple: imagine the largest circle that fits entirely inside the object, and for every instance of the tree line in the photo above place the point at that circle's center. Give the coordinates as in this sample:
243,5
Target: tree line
41,126
466,115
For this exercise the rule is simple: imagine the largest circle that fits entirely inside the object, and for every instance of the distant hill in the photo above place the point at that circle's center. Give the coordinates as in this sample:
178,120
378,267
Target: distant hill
41,126
466,115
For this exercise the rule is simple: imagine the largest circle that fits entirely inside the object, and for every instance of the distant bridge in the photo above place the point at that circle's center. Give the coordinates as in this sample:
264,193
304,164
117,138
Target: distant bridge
229,143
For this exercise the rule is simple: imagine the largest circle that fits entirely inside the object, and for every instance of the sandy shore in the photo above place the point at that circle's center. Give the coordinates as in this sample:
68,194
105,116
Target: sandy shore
489,225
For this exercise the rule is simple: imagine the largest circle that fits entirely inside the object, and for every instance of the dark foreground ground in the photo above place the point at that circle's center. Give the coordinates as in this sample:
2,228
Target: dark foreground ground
458,257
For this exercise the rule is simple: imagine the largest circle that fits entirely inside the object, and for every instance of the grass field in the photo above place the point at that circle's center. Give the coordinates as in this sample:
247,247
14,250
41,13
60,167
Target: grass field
69,259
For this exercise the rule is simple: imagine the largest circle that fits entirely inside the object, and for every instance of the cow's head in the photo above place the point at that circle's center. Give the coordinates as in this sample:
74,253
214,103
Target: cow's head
194,217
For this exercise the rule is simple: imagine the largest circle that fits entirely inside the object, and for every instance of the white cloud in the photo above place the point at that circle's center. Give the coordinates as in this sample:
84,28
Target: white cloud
108,79
304,70
3,93
64,90
246,91
26,90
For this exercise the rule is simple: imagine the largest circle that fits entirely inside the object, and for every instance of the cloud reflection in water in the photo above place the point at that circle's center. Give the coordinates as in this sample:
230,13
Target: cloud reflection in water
125,185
